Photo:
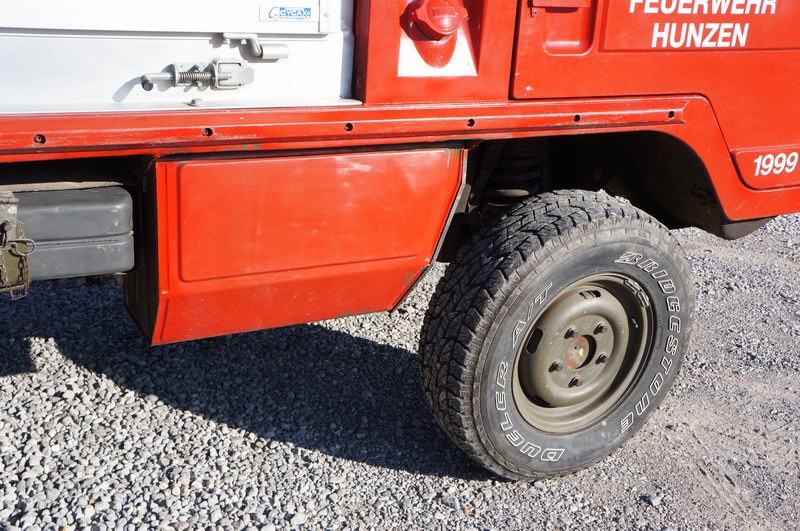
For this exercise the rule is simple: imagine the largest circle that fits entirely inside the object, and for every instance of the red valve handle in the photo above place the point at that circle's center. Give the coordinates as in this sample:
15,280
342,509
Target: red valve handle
439,19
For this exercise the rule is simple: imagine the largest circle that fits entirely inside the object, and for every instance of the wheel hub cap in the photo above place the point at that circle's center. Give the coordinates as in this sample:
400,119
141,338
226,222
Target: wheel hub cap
580,353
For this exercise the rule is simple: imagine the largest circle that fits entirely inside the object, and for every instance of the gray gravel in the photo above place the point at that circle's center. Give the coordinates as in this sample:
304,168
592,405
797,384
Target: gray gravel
323,425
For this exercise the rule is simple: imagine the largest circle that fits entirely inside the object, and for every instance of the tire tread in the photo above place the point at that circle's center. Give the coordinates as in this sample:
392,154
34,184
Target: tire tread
476,283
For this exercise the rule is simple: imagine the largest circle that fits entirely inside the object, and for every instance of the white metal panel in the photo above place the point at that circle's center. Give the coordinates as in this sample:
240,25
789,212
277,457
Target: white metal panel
191,16
89,55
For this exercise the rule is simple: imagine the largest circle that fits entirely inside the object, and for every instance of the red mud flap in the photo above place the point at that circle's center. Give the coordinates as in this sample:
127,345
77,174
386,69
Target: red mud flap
246,244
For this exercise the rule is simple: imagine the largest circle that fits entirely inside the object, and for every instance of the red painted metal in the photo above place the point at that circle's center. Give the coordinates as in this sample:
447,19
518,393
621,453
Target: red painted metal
438,19
769,168
162,133
752,86
290,235
266,242
489,31
159,134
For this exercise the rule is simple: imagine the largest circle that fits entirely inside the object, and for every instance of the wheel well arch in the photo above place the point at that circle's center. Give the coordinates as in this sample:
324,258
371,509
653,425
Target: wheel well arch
655,171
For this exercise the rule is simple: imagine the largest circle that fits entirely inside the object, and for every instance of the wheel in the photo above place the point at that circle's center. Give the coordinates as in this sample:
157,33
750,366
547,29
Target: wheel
555,333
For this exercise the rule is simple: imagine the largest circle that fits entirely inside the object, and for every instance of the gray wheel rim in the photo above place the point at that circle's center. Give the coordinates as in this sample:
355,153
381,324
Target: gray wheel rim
583,354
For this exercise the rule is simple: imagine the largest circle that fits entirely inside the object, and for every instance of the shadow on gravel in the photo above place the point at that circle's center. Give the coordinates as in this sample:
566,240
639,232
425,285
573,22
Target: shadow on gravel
15,357
310,386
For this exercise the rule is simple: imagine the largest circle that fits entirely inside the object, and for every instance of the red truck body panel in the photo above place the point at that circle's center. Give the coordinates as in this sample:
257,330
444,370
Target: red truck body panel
739,55
239,250
269,217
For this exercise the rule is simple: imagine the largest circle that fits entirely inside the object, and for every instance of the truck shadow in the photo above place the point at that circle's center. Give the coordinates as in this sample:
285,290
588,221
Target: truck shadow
316,388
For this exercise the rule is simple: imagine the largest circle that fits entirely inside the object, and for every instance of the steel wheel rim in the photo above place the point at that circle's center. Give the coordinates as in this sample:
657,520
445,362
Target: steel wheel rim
583,354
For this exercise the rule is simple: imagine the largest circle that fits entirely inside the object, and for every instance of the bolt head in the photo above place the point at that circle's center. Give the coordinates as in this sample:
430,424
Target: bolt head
575,382
600,329
556,367
571,334
601,359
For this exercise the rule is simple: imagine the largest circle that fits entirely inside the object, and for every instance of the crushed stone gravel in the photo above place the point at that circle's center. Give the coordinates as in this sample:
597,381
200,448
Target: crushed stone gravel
323,425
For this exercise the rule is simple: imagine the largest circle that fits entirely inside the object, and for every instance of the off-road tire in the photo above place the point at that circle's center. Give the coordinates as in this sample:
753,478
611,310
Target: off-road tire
555,261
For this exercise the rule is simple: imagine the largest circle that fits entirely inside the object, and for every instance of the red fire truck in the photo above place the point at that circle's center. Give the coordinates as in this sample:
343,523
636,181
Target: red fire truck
274,162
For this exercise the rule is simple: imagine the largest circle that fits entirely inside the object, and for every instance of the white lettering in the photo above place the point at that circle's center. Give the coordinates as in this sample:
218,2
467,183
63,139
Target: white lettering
502,370
704,7
695,39
692,35
517,331
515,438
655,386
629,257
648,266
659,274
500,401
663,35
626,423
720,7
543,295
672,345
740,35
507,424
643,404
673,304
709,42
530,449
698,4
552,454
675,43
725,32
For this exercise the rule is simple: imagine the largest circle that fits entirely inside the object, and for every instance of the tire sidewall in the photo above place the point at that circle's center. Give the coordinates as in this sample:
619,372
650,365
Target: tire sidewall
629,252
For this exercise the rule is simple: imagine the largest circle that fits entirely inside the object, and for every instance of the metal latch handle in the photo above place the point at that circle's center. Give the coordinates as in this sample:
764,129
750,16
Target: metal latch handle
220,74
262,50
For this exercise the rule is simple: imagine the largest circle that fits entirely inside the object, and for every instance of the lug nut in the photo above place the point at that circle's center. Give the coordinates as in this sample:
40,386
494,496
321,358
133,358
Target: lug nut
575,382
600,329
556,367
602,358
571,334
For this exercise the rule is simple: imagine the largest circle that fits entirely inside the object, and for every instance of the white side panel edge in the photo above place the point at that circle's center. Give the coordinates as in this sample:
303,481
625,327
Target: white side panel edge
89,55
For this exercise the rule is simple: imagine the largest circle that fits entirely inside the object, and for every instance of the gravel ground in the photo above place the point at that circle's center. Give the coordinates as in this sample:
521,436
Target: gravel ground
323,425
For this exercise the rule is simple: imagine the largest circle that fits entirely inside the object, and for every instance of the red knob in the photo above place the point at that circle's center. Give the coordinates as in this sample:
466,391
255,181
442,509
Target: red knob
439,19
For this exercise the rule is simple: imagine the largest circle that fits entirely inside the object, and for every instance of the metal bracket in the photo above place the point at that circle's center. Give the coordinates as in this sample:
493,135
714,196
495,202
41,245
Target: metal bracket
261,50
220,74
14,249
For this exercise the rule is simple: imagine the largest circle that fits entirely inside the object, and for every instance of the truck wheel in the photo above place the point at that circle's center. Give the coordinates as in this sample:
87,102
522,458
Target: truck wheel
555,333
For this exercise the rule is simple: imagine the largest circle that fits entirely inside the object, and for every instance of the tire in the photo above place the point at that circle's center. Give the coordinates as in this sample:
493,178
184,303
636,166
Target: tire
555,333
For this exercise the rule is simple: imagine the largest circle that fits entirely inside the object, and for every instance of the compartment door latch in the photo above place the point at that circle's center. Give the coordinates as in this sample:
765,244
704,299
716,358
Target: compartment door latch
220,74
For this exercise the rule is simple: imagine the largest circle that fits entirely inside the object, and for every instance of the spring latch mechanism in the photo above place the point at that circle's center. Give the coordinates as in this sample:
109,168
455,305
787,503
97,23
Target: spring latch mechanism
218,75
